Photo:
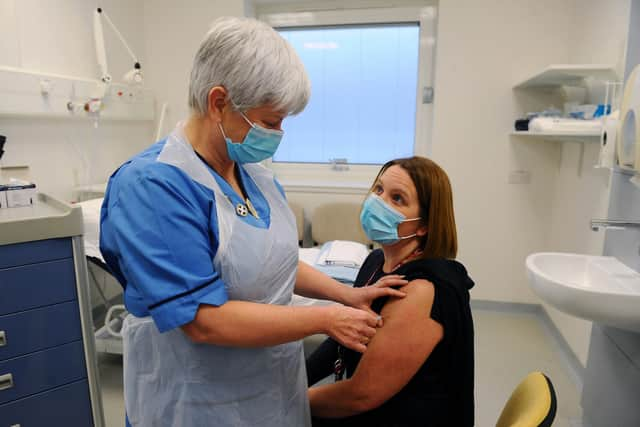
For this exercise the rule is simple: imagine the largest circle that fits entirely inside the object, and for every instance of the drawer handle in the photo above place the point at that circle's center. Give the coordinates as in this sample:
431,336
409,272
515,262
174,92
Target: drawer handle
3,339
6,381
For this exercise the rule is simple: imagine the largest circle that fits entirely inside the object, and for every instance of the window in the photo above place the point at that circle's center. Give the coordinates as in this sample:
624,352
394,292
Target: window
364,85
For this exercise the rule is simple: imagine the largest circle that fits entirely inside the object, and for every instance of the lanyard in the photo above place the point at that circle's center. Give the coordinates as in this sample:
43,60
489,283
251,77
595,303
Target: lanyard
338,365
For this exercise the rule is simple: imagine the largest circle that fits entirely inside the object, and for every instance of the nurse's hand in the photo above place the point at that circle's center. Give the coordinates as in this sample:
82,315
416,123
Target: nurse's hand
363,297
351,327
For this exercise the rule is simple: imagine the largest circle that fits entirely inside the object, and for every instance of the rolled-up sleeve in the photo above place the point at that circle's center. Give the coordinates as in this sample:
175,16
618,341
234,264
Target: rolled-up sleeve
157,227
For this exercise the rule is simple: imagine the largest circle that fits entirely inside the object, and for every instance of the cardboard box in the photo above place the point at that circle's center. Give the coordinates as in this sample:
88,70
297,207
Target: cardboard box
3,197
20,195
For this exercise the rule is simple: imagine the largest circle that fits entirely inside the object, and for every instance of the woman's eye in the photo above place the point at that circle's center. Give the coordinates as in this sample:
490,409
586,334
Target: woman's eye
397,198
377,189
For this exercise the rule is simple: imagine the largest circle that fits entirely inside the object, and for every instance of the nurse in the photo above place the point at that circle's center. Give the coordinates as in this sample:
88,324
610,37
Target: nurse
202,240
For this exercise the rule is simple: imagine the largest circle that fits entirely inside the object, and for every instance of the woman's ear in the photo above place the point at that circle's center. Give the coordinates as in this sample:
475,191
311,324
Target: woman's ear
217,103
421,231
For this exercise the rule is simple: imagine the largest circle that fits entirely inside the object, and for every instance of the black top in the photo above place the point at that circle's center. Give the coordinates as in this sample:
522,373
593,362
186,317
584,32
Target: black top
441,392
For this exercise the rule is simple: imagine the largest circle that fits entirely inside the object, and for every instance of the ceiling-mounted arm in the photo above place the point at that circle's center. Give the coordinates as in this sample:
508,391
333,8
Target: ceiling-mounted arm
135,74
101,53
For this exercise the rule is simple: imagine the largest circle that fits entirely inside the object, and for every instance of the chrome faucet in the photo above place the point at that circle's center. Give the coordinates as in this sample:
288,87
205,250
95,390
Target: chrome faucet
597,224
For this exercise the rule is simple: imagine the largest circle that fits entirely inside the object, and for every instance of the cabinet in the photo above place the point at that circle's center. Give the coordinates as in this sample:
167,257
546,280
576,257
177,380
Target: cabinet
48,373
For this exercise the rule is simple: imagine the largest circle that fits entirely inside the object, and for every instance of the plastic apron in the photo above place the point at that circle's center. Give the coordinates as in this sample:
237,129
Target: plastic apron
171,381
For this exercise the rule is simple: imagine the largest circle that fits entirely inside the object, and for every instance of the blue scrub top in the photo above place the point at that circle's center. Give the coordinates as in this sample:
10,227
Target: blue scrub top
159,235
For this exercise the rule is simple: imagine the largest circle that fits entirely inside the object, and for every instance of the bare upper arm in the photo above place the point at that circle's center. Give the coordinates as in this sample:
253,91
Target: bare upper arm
401,346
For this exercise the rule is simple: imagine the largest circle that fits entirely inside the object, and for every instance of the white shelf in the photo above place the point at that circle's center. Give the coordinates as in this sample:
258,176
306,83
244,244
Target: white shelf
556,75
21,95
560,136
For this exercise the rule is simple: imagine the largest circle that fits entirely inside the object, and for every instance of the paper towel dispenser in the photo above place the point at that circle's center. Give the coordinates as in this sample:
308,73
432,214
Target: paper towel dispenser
629,128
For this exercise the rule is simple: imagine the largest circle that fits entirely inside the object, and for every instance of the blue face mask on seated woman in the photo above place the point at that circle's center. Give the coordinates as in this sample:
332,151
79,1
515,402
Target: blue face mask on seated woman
380,221
259,143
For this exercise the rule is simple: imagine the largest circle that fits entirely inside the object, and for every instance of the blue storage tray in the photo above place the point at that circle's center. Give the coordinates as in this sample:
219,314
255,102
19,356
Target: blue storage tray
34,252
38,329
43,370
37,285
68,405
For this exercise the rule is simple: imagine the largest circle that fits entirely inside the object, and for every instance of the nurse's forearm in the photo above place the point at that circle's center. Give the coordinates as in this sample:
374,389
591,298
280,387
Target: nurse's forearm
247,324
313,284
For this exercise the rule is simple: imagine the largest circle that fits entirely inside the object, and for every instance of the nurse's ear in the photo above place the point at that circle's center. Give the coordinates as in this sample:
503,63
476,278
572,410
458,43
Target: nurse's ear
217,103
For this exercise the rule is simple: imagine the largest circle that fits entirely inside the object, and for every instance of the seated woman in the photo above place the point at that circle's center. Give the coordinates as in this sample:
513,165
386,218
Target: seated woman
418,368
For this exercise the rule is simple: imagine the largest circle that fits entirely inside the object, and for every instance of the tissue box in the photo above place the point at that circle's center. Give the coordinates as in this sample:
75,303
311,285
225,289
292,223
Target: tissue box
20,195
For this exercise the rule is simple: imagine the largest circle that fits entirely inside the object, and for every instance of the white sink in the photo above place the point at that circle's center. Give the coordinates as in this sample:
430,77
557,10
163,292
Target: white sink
596,288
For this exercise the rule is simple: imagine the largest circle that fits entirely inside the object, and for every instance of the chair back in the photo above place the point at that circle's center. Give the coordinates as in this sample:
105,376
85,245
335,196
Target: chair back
338,221
532,404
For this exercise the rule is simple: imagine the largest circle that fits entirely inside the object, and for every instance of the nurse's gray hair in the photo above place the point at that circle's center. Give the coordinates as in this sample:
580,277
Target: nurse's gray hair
254,63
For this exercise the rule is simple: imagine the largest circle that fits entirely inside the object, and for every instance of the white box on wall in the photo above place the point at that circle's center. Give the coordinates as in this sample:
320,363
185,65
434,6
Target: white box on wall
3,198
20,195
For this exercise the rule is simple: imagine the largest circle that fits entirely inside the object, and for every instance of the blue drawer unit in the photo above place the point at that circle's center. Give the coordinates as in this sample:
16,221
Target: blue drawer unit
34,252
37,285
68,405
41,371
34,330
48,372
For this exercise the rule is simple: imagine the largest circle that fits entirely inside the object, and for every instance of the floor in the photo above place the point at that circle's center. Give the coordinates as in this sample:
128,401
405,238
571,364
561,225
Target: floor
508,346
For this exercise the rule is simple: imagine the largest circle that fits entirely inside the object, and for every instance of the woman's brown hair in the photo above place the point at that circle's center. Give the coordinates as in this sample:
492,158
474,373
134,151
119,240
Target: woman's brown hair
436,205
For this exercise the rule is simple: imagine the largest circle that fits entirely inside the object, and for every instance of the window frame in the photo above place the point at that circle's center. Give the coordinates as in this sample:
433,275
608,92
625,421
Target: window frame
323,175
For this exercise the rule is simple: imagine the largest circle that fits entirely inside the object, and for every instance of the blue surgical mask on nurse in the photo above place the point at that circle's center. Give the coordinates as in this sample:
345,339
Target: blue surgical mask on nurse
258,144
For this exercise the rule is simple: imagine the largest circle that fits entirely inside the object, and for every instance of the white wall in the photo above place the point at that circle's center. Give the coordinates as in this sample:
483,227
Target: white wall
62,154
484,48
57,37
599,30
580,194
173,31
598,35
633,39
